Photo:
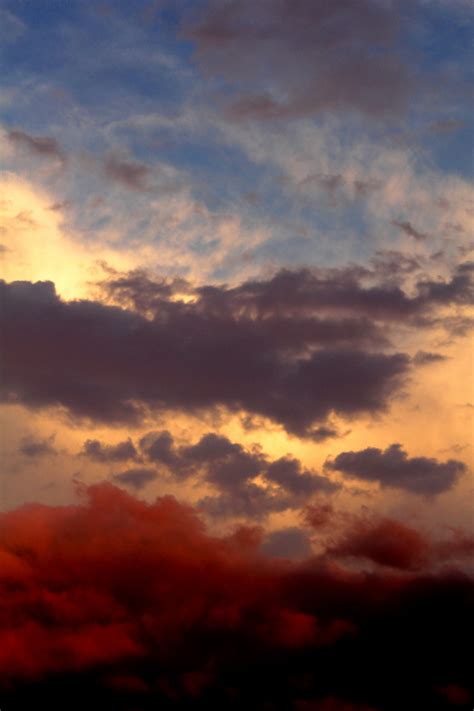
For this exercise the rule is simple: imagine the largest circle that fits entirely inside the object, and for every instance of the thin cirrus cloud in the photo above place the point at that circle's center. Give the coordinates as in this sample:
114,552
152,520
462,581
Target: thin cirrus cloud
282,63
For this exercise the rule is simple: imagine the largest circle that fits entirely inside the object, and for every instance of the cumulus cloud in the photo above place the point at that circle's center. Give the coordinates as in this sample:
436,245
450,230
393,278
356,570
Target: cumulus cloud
288,473
134,603
232,471
393,467
97,451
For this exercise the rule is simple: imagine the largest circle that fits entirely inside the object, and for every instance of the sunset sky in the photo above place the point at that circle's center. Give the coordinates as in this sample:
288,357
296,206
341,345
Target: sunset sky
236,249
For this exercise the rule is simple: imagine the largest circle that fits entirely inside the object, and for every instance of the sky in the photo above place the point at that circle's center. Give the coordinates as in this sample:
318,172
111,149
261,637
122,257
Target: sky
237,391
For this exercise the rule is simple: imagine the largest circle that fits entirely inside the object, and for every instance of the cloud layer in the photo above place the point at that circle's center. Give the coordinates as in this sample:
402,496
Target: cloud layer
296,348
134,604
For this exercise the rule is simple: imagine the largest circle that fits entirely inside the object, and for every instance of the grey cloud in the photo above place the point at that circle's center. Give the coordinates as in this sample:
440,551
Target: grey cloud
121,452
32,447
409,230
289,474
129,174
426,358
232,471
393,467
296,348
41,146
288,542
136,478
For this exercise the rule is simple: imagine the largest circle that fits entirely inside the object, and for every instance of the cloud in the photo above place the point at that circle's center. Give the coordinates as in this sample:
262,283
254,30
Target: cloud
114,362
295,60
393,467
288,473
136,478
427,358
136,604
383,541
32,447
40,146
409,230
128,174
98,452
289,542
232,471
296,348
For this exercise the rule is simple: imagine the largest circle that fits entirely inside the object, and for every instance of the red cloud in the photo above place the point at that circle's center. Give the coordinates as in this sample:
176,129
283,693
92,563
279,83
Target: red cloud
119,600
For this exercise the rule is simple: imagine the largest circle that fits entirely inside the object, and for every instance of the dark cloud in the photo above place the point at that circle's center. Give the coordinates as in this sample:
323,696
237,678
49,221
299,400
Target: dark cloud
295,348
136,478
211,447
134,605
393,467
391,265
159,447
32,447
99,452
247,500
294,59
41,146
289,474
288,542
129,174
321,434
409,230
108,363
232,471
458,290
350,291
426,358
